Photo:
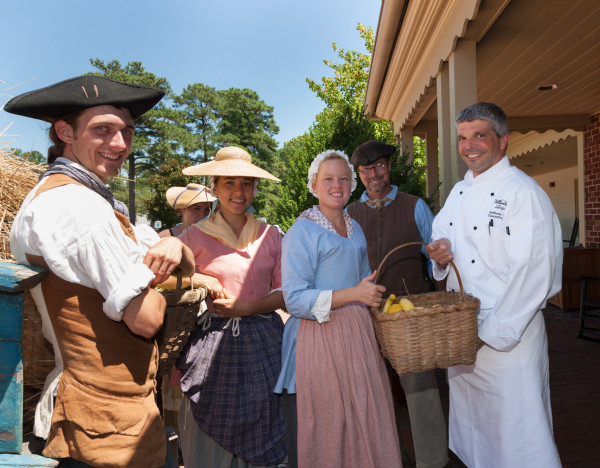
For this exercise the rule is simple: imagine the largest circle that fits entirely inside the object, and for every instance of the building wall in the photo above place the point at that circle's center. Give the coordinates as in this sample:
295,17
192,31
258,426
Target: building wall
562,195
591,171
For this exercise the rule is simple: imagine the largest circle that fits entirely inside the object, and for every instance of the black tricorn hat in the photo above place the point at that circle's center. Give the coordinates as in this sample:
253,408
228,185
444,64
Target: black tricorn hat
370,151
80,93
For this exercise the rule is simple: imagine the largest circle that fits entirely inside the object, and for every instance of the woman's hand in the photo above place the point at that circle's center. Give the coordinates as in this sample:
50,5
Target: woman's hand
369,293
366,292
231,306
213,285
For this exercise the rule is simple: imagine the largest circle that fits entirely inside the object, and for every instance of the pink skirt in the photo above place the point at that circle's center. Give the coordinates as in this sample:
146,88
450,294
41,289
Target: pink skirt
345,409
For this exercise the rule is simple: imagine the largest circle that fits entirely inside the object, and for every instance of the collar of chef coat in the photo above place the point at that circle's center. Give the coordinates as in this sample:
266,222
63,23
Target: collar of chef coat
488,175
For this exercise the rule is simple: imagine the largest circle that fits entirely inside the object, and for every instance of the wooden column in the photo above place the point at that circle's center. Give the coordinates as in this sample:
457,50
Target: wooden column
14,280
406,138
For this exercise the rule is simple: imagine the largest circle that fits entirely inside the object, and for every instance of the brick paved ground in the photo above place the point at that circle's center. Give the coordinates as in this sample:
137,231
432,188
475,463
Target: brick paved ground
574,391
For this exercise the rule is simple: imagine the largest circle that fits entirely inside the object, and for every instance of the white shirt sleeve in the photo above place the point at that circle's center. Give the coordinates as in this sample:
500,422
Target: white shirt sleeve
81,240
533,253
146,237
322,306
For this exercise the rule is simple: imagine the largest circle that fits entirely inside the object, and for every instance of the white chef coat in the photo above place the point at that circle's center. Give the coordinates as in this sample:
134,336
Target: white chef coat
77,233
507,243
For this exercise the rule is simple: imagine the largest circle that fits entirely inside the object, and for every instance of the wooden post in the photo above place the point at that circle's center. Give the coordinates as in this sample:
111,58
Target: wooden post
14,280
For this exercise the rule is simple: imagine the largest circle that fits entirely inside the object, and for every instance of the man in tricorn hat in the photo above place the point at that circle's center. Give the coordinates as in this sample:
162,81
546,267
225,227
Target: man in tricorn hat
98,294
390,218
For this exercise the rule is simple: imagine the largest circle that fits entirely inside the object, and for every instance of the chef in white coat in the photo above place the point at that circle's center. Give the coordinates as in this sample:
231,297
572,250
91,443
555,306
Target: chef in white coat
503,234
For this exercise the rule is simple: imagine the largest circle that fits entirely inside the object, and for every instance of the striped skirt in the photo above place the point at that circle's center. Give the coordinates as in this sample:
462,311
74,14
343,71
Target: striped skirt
344,402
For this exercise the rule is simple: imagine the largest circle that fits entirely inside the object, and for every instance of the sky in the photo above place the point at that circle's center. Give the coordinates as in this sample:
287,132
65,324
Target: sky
269,46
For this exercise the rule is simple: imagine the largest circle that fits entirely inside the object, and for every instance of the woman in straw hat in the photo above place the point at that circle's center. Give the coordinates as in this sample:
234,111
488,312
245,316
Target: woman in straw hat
230,415
193,202
343,414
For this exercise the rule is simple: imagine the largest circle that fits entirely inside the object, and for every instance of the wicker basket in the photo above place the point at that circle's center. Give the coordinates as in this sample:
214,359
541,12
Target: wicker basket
180,317
432,337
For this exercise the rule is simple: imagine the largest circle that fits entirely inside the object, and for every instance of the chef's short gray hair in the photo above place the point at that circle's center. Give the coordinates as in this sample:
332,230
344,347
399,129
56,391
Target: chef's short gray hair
485,111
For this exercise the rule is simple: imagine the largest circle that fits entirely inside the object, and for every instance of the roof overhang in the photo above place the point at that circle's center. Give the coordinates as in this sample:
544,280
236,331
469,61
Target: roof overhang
521,45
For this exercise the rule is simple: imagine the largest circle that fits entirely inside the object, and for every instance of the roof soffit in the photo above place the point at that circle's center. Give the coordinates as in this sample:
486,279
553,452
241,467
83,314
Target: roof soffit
542,42
390,21
541,153
519,145
427,38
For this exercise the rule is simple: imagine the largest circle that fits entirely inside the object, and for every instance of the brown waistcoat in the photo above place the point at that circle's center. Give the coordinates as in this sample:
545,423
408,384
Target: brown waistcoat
105,413
386,228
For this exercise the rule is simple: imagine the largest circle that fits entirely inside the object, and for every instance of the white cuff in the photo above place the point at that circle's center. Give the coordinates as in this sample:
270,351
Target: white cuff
439,273
322,306
131,285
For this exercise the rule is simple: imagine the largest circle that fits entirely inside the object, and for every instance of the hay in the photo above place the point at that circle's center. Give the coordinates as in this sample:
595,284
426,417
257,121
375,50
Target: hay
17,177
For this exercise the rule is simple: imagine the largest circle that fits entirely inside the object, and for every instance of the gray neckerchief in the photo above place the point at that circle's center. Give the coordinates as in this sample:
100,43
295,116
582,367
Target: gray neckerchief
60,167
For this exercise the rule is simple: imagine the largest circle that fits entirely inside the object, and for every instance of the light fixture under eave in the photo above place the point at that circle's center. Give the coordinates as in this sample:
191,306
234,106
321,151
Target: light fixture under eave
549,87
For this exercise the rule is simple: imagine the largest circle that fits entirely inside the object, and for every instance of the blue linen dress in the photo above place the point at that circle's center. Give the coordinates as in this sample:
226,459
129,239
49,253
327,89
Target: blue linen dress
344,403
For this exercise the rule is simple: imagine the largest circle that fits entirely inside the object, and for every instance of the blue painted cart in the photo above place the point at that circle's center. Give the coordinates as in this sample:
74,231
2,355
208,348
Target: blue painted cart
14,281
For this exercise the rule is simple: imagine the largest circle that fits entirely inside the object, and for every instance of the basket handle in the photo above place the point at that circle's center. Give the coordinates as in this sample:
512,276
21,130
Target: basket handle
180,281
417,243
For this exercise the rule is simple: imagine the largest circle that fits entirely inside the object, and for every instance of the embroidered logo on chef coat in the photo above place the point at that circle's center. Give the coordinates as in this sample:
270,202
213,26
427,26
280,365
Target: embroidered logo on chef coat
497,212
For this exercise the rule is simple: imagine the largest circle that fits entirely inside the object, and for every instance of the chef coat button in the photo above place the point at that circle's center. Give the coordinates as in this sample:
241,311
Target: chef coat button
475,228
472,261
461,192
492,194
450,224
453,290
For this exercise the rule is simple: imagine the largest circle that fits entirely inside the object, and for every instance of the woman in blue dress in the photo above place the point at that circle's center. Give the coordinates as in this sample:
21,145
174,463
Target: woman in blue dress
342,414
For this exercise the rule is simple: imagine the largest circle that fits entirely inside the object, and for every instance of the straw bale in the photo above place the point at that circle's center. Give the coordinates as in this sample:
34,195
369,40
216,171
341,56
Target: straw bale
17,177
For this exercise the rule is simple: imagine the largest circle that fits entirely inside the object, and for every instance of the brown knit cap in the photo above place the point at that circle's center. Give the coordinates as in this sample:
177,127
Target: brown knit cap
370,151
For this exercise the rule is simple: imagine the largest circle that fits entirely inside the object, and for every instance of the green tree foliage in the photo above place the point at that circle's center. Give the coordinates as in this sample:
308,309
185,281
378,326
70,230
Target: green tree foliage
200,105
349,82
343,124
31,156
247,121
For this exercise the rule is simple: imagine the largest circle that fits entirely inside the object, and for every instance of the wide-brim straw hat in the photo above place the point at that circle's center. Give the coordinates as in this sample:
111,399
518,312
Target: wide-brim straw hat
182,197
230,161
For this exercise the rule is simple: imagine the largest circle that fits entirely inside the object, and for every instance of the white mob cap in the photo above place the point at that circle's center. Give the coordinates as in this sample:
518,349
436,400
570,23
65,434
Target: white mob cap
314,168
